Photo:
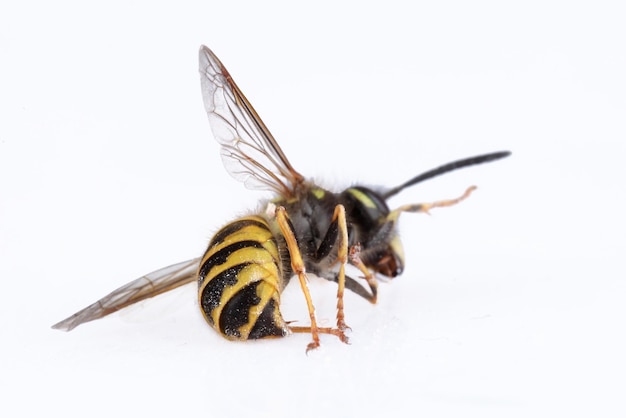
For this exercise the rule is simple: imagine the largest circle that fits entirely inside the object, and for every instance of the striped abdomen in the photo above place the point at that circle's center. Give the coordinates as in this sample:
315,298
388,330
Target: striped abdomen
240,280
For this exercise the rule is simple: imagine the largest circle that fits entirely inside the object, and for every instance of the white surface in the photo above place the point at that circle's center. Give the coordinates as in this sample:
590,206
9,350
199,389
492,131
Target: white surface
512,303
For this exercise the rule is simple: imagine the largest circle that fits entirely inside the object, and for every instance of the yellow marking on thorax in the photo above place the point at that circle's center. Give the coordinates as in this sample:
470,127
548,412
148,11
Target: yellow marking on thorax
318,193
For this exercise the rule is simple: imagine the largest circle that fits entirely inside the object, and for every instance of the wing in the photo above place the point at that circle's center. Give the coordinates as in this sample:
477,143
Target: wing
145,287
249,151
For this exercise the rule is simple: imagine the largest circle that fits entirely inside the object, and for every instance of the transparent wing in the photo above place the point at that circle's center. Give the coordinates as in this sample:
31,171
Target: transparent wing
249,151
145,287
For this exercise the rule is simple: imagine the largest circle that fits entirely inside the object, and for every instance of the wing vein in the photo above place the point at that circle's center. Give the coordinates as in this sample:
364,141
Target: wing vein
249,151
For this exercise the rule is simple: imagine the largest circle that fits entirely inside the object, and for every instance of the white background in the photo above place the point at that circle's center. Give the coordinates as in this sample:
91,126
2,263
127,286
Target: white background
512,304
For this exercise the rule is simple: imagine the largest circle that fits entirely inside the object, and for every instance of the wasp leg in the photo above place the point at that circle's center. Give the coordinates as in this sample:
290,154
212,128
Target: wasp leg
320,330
297,264
426,207
355,260
337,230
354,286
339,217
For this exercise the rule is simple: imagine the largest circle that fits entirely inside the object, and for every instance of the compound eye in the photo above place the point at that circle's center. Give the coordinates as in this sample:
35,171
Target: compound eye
391,262
389,265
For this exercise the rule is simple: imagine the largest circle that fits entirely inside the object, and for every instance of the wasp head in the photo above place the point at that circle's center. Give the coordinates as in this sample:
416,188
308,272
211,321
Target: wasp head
372,226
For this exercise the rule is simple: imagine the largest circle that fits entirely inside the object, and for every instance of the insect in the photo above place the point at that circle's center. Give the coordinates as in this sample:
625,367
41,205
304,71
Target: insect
304,230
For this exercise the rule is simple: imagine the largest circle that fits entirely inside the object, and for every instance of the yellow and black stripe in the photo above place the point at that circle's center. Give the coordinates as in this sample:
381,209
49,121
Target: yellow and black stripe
240,279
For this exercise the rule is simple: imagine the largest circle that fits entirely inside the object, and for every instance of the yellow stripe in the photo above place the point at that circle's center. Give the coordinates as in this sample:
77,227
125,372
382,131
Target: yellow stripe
265,292
265,272
245,233
363,198
264,268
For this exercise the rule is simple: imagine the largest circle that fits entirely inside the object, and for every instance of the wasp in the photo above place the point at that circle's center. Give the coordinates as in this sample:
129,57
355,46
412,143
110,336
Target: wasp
305,229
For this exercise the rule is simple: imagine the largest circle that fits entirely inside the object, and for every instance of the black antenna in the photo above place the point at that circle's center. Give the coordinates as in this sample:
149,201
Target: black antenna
466,162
